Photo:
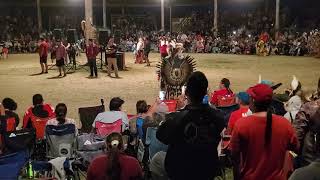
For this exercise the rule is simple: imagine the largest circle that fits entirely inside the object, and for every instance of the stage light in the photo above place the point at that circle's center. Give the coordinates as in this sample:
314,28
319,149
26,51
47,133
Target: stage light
249,35
234,32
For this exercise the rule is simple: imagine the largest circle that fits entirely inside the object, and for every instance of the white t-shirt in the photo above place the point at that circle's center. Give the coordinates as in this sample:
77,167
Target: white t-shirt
111,117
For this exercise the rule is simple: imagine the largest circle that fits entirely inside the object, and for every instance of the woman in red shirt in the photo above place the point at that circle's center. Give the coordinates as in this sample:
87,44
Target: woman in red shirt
115,165
224,91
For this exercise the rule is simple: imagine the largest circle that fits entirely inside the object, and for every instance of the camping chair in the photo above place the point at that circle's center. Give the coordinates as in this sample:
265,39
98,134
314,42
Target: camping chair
60,140
89,146
19,140
154,145
11,164
87,116
104,129
39,124
172,105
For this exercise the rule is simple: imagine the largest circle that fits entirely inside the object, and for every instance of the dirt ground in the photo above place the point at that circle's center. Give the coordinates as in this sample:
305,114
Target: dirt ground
18,81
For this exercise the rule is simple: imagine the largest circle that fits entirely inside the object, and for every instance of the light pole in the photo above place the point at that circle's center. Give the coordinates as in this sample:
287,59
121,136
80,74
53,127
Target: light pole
162,15
39,16
88,18
170,16
104,9
215,20
277,24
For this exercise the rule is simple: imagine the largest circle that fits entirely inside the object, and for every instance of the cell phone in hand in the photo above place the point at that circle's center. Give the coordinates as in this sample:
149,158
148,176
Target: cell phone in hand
162,95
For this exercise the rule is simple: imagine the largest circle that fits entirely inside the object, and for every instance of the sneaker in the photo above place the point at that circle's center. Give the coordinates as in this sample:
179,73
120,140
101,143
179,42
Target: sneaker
46,72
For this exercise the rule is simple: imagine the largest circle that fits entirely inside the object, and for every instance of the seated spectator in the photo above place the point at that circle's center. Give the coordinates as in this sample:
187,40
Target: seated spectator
307,124
243,100
2,118
223,92
10,106
142,109
39,109
113,115
61,116
115,165
292,107
312,171
192,133
259,142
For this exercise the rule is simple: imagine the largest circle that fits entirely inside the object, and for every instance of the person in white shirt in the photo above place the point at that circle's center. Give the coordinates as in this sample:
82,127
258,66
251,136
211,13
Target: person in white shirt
113,115
60,119
139,56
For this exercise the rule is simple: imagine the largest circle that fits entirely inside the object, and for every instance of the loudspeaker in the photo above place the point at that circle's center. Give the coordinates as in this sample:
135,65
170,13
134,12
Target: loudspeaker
57,34
104,35
72,36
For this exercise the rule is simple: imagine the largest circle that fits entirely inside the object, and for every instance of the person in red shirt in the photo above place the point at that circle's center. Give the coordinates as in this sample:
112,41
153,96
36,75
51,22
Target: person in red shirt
39,109
92,51
222,92
259,142
115,165
43,53
243,100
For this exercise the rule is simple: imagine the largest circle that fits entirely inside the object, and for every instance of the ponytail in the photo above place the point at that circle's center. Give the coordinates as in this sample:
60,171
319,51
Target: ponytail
114,147
268,131
114,170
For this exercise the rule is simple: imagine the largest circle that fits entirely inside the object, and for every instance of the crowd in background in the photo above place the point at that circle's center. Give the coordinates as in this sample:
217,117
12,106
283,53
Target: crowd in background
237,35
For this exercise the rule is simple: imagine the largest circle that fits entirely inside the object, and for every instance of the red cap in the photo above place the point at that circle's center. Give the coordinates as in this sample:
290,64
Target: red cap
260,92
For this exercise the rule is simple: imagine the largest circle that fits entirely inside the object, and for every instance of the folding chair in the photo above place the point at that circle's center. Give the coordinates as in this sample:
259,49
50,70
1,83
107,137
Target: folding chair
39,124
60,140
11,164
87,116
172,105
89,146
19,140
104,129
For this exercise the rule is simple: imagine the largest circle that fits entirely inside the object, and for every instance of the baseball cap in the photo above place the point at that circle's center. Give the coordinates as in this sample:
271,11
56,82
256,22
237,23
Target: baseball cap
244,97
260,92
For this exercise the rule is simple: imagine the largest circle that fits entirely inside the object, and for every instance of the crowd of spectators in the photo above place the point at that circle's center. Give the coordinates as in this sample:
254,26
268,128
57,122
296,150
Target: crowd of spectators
262,133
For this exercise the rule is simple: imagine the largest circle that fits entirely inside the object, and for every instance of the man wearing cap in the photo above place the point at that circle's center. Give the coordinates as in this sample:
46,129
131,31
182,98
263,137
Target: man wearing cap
193,135
243,100
261,140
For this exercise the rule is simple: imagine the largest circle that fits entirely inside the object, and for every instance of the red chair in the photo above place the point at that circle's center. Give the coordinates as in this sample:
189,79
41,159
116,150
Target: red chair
39,124
11,124
104,129
172,105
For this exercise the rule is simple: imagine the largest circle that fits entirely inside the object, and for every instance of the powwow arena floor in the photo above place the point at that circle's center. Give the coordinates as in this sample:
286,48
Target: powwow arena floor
139,82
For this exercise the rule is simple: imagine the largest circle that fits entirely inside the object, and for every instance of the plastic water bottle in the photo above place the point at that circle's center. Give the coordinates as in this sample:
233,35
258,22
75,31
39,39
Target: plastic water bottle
30,171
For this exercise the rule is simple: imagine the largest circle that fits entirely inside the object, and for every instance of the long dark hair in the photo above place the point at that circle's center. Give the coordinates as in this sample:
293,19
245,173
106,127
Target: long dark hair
226,83
114,147
261,107
61,112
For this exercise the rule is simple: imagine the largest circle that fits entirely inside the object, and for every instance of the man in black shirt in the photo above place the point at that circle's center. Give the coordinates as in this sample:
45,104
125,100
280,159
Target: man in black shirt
193,135
147,49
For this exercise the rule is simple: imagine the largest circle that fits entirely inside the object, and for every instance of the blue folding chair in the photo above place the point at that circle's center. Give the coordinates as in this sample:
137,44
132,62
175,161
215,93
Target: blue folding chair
11,164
